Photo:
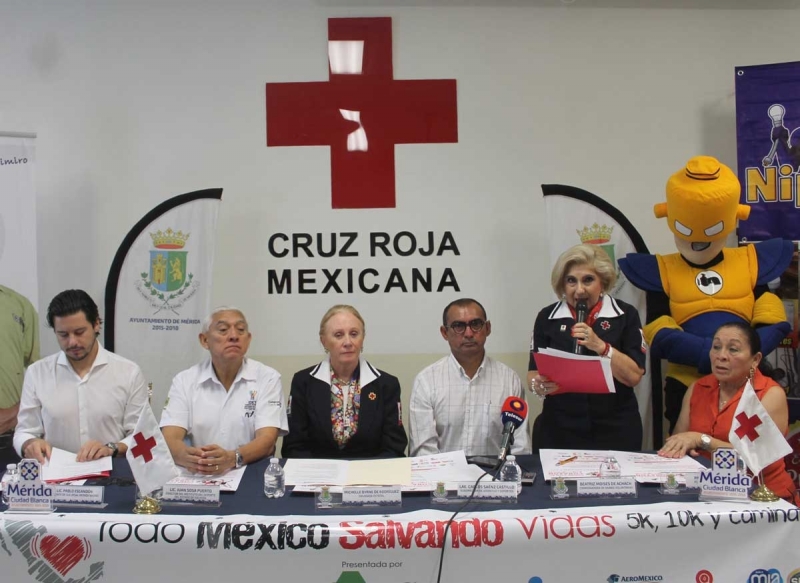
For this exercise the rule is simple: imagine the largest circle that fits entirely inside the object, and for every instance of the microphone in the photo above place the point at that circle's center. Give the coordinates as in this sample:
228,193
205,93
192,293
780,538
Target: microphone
580,312
513,414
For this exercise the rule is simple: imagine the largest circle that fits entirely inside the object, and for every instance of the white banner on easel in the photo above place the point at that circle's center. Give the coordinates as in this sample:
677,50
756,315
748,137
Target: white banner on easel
18,216
159,288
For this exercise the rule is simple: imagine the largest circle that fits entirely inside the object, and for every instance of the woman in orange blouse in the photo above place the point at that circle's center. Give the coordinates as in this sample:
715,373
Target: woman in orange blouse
711,401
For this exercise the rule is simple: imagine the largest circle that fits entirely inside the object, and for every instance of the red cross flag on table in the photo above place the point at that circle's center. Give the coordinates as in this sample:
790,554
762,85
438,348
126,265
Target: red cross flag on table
149,456
754,434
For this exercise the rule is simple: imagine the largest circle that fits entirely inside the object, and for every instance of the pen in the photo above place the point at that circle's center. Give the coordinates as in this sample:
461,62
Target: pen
566,461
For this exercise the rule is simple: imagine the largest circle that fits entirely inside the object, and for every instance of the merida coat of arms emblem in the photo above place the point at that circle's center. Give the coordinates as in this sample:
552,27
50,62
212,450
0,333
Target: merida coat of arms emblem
167,285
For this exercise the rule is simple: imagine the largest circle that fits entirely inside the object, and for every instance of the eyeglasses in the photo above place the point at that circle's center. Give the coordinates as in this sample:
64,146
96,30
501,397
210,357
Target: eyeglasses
459,327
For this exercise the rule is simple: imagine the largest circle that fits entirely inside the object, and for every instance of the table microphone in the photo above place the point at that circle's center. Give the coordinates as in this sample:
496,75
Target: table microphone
513,414
580,311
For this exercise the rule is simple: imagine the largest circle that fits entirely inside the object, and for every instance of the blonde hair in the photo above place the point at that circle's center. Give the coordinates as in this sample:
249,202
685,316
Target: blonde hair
590,255
338,309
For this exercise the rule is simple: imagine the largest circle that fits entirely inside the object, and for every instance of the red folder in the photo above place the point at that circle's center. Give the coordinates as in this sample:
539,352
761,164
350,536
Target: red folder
574,373
105,474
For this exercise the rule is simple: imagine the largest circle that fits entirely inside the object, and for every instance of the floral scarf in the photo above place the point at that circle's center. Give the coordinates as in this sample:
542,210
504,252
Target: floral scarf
345,405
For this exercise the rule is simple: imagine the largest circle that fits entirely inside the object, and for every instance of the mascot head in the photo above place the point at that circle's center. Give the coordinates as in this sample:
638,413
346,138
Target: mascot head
702,207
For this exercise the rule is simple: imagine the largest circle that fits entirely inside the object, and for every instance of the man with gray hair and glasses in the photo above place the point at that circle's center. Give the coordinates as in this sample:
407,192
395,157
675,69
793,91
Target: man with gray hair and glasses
226,411
456,402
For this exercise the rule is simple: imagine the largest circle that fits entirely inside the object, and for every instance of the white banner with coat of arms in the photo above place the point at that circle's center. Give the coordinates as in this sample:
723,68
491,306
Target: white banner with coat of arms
575,216
159,288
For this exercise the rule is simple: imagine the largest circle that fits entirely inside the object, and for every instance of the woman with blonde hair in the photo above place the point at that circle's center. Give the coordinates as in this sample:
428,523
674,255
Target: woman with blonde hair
344,407
584,274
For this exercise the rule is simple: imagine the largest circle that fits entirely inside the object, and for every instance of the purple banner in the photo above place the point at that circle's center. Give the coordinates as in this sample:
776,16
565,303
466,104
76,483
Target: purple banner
768,145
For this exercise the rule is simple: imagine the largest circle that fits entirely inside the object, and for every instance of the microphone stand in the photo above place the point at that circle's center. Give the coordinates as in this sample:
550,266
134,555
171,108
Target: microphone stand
501,461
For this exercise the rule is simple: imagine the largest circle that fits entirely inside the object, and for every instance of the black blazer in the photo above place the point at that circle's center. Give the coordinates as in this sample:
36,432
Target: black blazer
380,431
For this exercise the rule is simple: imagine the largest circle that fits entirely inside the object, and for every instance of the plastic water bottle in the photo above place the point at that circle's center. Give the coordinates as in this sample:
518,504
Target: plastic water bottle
8,477
274,479
511,472
610,468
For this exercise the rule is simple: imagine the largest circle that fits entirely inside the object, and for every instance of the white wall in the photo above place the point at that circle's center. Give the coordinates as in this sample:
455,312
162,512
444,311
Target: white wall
134,102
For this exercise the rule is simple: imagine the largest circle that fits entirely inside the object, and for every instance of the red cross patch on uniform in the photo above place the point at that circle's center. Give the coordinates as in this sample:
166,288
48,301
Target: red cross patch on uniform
605,324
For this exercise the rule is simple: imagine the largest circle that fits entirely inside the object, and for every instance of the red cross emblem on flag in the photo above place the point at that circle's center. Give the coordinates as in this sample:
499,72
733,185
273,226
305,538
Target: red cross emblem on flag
361,112
143,447
747,426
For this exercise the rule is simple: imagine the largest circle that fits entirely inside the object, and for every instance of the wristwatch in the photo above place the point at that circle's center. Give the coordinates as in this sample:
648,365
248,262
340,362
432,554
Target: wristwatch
113,447
705,442
239,459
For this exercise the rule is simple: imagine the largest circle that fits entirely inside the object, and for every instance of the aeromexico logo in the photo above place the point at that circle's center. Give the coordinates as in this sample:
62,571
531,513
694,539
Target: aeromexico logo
50,558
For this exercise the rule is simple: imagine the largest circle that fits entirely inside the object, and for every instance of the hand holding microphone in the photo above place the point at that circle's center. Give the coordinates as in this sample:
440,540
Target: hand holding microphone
513,414
584,336
581,310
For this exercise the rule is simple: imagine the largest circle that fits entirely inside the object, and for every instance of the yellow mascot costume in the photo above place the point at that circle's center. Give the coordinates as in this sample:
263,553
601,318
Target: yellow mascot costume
705,284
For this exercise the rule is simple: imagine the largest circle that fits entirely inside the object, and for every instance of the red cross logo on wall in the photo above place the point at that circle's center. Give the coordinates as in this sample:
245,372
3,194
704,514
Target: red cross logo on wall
361,113
143,446
747,426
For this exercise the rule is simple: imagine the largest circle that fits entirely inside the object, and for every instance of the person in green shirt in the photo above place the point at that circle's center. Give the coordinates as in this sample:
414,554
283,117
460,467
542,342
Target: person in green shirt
19,347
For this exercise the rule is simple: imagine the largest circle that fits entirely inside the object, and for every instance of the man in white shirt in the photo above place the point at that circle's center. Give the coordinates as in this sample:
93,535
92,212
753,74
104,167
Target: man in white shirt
456,402
226,411
82,399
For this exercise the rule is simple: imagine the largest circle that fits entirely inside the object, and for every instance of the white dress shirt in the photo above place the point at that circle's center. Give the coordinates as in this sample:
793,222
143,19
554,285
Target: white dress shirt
67,411
451,412
199,403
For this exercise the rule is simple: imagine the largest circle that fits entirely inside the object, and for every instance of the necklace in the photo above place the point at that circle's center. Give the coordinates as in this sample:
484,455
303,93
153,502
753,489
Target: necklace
723,402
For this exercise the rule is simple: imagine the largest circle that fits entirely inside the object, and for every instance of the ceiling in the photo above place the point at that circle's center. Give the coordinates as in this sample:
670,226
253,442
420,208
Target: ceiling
664,4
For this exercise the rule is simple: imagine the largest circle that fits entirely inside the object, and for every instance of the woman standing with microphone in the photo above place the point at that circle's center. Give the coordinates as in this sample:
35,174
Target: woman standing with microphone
588,320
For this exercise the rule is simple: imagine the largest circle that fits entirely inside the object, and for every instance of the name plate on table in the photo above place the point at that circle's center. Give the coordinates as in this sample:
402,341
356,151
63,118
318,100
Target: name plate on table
191,493
607,487
29,494
372,496
488,490
35,498
675,485
726,480
713,486
78,495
